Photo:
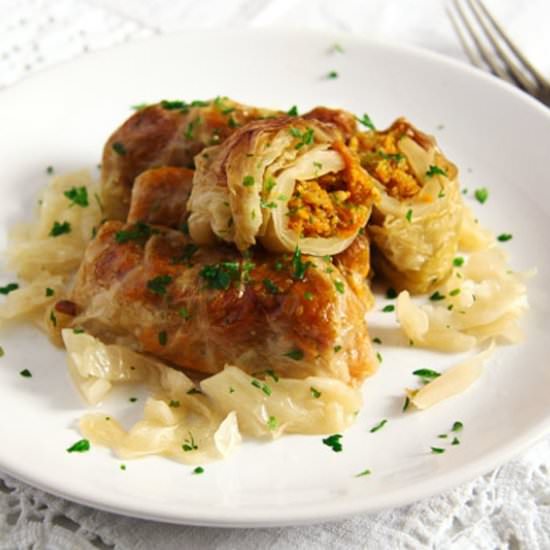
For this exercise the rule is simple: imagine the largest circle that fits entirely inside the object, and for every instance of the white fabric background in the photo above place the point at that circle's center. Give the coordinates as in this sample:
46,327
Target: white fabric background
509,508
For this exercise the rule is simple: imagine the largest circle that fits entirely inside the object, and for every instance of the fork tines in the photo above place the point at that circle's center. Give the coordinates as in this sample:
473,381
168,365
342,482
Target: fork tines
487,45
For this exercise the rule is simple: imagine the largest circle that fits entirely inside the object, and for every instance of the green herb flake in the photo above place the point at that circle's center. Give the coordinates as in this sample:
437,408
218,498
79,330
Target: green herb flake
333,441
53,318
428,374
163,338
436,296
231,389
379,357
219,276
174,105
455,441
337,48
2,352
457,426
261,386
49,170
437,450
299,266
442,436
406,404
408,215
139,231
378,426
198,470
119,148
60,229
184,313
366,121
503,237
49,291
78,196
123,467
315,393
331,75
189,444
133,399
337,348
293,111
481,195
174,403
10,287
81,446
158,284
270,205
272,423
297,354
248,181
377,340
26,373
339,285
389,308
435,170
308,295
391,293
363,473
454,292
78,330
458,261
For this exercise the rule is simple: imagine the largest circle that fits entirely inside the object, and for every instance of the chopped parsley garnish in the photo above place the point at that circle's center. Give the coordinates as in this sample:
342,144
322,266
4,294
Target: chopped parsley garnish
133,399
379,357
337,348
2,353
158,284
481,194
366,121
454,292
396,157
388,308
437,450
189,131
339,285
455,441
315,393
174,403
457,426
391,293
186,255
123,467
49,170
297,354
10,287
49,291
219,276
198,470
78,195
427,374
378,426
80,446
308,295
269,184
458,261
270,286
306,138
261,386
442,436
140,106
119,148
409,215
435,170
60,229
189,444
184,313
377,340
248,181
503,237
232,123
337,48
331,75
436,296
406,404
299,267
139,231
174,105
163,338
264,204
363,473
293,111
333,441
272,423
26,373
53,318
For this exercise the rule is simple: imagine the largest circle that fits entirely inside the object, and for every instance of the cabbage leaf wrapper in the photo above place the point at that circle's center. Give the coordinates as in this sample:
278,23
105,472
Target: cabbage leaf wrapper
153,290
169,133
285,182
415,227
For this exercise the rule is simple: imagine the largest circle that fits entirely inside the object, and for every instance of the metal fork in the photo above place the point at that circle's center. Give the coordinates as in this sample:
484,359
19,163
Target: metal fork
495,51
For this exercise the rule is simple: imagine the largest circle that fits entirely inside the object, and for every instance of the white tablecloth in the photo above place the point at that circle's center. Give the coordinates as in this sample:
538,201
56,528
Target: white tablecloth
508,508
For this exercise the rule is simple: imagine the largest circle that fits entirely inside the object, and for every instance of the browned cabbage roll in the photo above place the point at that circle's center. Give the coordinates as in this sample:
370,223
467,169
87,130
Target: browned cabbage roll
284,182
415,225
152,289
169,133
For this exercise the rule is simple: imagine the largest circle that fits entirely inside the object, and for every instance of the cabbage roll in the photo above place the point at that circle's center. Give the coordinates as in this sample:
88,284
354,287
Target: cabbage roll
416,224
284,182
152,289
169,133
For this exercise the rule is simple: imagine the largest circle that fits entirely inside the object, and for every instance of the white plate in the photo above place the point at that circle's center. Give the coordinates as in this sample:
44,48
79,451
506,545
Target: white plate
499,138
